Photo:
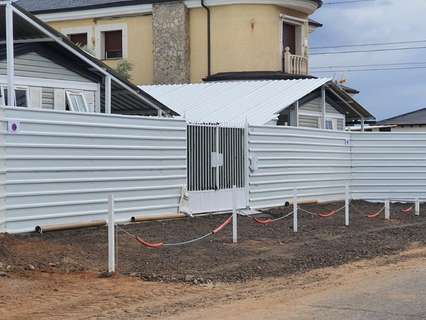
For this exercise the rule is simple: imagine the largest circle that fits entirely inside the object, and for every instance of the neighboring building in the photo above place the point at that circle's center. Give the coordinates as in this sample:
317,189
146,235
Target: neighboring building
186,41
50,72
414,121
312,103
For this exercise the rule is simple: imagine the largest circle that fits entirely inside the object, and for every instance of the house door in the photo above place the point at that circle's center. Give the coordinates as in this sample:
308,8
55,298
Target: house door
289,37
216,163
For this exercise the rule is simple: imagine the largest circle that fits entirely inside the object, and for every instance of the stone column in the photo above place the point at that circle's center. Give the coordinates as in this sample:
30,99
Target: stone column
170,26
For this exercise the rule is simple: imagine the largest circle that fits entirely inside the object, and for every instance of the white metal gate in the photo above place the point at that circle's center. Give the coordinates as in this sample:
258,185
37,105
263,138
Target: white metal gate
216,163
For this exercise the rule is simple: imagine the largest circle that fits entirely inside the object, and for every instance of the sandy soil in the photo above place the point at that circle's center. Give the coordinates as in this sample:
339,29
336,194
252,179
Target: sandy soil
85,296
56,275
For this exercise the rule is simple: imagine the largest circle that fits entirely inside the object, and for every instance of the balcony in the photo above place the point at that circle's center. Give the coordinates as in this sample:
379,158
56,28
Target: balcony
294,64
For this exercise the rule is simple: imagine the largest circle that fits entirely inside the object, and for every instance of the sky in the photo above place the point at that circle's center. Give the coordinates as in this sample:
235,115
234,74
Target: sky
383,93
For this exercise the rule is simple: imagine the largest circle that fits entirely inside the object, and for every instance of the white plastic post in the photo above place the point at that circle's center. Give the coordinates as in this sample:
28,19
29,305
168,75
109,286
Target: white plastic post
387,210
234,216
295,222
347,201
417,210
111,234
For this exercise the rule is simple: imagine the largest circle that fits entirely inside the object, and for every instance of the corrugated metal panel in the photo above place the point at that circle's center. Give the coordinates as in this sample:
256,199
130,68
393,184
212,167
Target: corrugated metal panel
61,166
389,165
258,102
316,162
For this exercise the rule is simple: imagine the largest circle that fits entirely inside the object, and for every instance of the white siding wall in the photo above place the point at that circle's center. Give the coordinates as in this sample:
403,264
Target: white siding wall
317,162
389,165
60,166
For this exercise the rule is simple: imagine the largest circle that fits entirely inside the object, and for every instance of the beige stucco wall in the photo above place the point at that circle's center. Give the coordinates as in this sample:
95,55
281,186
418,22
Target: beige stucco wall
139,32
244,38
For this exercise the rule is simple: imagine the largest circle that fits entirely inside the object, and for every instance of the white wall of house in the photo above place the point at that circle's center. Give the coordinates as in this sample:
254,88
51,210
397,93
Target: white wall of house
46,83
311,115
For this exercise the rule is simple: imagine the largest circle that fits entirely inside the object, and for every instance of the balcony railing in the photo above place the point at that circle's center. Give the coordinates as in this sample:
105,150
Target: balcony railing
294,64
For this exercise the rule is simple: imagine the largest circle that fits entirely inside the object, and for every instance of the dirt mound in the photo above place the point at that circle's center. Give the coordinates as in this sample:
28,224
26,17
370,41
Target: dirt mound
262,251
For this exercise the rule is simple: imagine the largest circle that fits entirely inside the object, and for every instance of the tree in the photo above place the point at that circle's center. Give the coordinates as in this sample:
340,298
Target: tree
124,69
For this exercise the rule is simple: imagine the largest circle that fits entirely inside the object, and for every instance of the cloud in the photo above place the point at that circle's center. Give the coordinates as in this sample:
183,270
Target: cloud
384,93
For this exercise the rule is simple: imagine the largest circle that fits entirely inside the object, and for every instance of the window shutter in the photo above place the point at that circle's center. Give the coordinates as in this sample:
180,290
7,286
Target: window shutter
113,44
35,98
59,99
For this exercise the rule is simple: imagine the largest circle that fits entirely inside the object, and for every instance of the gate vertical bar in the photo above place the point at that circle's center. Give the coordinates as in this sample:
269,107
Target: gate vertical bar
217,156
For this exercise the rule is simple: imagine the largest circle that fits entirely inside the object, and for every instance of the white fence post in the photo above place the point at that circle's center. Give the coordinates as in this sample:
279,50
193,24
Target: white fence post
347,201
295,222
234,215
417,210
111,234
387,209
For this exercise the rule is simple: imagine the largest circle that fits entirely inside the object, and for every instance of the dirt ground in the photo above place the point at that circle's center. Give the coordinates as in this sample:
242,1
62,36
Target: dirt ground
56,275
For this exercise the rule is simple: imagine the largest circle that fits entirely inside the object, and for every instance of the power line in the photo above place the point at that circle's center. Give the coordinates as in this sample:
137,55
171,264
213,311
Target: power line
372,69
367,44
345,2
370,65
372,50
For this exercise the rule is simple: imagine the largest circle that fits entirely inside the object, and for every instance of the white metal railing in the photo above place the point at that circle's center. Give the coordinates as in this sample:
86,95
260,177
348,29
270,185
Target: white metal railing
294,64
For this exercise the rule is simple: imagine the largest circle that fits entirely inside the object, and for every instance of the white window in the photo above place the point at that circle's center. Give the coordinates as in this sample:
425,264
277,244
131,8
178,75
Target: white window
111,41
21,94
331,124
77,102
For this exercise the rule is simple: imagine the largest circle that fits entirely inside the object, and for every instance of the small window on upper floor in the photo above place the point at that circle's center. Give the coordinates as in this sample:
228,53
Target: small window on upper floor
21,95
76,102
79,39
329,124
113,44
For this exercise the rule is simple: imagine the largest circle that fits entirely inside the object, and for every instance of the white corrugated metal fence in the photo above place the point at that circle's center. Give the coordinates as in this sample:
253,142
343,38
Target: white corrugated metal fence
60,167
316,162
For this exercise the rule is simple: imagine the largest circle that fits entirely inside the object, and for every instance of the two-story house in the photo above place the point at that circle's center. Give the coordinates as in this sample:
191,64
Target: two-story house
190,40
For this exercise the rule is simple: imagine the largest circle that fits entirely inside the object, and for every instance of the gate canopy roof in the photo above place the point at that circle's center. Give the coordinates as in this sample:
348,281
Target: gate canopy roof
257,102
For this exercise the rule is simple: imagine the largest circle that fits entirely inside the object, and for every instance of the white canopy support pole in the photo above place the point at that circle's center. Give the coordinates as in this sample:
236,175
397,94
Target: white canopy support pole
108,94
10,56
297,112
362,125
324,107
